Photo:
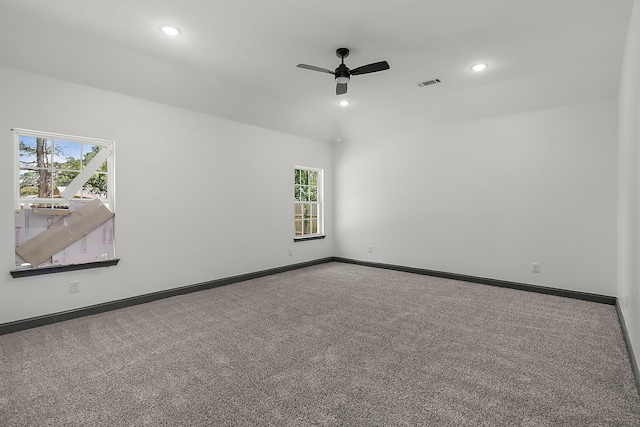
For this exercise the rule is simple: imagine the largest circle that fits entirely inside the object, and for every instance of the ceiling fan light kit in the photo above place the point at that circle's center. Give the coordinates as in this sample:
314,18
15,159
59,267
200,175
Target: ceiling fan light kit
343,74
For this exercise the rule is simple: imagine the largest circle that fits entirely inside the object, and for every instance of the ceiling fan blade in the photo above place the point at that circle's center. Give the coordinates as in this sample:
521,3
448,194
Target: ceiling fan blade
341,88
314,68
371,68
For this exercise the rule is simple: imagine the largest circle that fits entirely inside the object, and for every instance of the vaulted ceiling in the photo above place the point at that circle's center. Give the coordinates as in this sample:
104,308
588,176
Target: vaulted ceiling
237,59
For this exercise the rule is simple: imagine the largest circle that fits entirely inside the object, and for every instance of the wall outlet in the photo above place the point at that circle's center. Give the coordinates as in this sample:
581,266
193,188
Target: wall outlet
74,287
370,249
535,267
290,251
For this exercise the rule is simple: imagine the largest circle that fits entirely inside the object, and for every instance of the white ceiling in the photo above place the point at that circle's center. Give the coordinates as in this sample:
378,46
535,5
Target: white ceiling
237,59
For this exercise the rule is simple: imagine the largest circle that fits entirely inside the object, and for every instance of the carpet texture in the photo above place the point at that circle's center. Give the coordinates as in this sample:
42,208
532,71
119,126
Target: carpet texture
330,345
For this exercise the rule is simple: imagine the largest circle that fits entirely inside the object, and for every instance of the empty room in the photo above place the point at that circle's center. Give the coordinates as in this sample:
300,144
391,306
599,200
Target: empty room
337,213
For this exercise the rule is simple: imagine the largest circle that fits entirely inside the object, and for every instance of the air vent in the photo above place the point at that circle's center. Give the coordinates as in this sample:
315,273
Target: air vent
430,82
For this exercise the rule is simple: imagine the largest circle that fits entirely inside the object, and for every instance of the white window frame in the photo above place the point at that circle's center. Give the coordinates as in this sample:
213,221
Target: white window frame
319,203
65,198
109,201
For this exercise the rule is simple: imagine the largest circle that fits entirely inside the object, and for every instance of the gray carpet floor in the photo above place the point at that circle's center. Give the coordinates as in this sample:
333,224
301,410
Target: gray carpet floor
330,345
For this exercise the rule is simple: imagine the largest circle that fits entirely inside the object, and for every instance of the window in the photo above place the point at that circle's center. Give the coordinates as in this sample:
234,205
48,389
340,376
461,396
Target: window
56,175
308,209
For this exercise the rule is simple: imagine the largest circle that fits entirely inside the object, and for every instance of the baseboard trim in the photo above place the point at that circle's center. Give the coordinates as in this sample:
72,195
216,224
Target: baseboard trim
34,322
627,341
585,296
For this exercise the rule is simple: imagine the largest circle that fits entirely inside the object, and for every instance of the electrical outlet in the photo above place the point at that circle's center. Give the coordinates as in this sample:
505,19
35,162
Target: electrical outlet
535,267
370,249
74,287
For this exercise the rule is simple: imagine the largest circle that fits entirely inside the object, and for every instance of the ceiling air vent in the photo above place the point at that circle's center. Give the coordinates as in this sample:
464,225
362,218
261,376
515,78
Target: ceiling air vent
430,82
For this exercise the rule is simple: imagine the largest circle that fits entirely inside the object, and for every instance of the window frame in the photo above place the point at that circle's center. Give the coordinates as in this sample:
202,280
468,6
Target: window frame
58,204
319,202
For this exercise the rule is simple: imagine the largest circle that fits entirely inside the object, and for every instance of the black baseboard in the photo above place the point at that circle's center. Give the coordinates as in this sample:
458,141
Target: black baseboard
603,299
48,319
627,341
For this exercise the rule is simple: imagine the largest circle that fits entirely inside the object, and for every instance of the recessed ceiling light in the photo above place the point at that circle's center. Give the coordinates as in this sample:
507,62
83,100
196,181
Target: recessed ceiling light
170,31
479,67
344,102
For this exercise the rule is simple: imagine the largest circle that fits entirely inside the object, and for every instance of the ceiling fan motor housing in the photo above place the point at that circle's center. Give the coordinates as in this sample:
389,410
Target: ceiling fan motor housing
343,74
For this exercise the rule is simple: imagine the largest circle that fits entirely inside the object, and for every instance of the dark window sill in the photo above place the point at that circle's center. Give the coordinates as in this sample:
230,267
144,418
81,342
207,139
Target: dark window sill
26,272
304,239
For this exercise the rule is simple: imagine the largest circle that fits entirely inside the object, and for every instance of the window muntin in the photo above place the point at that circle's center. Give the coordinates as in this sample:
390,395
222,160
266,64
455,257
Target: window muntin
307,202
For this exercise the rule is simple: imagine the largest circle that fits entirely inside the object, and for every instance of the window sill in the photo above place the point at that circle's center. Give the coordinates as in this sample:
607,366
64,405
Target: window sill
304,239
26,272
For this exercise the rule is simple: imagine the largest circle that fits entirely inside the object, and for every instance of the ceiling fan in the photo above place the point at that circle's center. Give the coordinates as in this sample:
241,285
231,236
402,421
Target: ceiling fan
343,73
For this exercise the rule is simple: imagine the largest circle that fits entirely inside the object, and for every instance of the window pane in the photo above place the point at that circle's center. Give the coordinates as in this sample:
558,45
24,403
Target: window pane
62,180
96,186
88,153
304,193
29,183
298,227
298,211
314,226
307,227
313,193
314,210
313,178
304,177
296,176
66,155
296,193
35,183
34,152
27,151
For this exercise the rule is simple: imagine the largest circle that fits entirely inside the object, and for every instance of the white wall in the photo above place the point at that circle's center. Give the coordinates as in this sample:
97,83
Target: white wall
198,197
488,197
628,185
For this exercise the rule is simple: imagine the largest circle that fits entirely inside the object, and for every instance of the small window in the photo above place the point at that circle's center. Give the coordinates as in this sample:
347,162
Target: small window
56,175
308,209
